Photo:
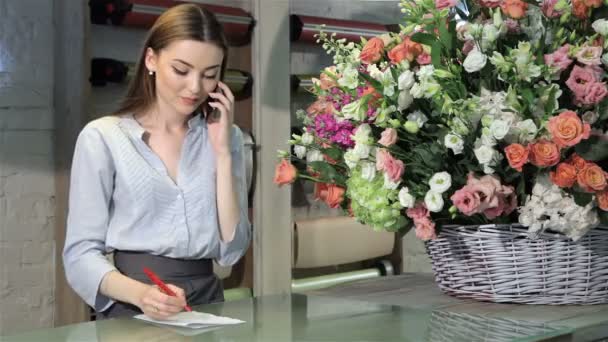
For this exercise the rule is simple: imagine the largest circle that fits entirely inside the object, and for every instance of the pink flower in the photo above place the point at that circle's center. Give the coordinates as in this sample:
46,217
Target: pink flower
548,8
513,26
594,93
579,77
507,201
425,229
559,58
441,4
388,137
418,212
490,3
468,46
393,168
381,156
590,55
423,59
466,200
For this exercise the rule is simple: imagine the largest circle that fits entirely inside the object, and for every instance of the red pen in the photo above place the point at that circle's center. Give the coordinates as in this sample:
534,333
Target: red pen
156,280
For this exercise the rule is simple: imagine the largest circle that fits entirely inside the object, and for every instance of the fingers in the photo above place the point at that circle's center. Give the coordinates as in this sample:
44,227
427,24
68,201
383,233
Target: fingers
226,90
222,109
177,290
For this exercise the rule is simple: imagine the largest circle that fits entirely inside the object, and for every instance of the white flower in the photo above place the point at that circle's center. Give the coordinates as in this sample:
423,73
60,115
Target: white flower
354,110
590,117
374,72
417,91
601,26
314,156
405,99
351,159
526,130
362,150
500,129
454,142
362,134
300,151
406,80
418,117
489,35
388,83
405,198
426,72
389,184
433,201
307,138
368,171
475,61
350,77
485,154
440,182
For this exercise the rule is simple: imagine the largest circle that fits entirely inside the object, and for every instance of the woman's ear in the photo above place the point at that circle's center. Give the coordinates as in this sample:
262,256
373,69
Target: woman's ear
150,59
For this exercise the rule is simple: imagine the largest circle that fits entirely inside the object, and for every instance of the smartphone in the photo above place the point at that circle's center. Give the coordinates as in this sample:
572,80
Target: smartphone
208,110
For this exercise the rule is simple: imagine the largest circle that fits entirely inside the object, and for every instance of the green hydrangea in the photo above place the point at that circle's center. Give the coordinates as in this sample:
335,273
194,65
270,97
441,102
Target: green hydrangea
373,204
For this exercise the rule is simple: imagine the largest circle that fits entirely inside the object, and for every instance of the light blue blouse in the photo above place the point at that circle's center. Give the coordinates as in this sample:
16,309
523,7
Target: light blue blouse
122,198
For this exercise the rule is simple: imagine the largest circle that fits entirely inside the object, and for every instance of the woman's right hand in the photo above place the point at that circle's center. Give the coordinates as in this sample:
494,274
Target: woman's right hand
158,305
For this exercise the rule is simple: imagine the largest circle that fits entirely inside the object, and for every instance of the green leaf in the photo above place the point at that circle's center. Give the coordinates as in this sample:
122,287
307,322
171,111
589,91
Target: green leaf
333,153
424,38
582,198
328,172
593,149
436,54
374,83
446,38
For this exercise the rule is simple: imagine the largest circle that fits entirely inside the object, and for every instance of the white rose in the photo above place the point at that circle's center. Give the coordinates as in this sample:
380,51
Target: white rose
601,26
484,154
487,138
351,159
433,201
404,100
300,151
406,80
307,138
500,129
314,155
418,117
362,150
374,72
527,130
454,142
368,171
440,182
405,198
475,61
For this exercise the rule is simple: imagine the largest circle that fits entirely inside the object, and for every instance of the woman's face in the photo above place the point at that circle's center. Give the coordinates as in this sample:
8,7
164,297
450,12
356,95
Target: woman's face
186,71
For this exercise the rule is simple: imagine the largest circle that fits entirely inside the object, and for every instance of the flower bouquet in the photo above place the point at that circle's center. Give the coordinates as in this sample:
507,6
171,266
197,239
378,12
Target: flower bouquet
488,113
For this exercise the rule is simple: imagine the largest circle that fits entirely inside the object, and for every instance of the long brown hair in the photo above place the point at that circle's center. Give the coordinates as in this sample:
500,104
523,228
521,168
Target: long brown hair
181,22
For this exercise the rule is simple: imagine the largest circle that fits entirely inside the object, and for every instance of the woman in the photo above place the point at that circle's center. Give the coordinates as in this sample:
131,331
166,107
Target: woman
162,182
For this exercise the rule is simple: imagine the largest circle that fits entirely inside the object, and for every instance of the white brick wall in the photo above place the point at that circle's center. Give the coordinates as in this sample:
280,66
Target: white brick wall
27,189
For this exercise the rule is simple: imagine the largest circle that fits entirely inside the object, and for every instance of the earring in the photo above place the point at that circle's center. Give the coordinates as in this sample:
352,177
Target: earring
151,73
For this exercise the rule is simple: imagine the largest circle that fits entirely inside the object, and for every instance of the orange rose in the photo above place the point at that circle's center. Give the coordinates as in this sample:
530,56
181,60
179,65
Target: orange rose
579,9
327,82
515,9
408,49
564,176
602,199
320,107
373,101
372,51
568,129
517,155
331,194
285,173
592,178
544,153
576,161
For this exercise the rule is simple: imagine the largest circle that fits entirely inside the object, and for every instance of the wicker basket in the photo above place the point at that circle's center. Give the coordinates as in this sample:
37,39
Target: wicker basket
498,263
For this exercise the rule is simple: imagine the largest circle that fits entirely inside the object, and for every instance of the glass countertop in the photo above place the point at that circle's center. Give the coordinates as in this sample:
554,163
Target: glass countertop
299,317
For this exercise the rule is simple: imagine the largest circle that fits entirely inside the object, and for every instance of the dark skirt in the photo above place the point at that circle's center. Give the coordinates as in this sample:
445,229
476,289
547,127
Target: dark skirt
196,277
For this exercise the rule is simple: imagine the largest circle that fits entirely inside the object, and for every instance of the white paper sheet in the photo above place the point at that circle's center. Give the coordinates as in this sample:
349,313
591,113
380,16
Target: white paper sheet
193,320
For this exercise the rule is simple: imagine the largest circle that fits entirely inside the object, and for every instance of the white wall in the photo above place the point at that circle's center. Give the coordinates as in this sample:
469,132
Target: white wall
27,189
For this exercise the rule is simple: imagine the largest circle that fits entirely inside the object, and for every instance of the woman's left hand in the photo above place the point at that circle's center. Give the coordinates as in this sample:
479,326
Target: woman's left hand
219,126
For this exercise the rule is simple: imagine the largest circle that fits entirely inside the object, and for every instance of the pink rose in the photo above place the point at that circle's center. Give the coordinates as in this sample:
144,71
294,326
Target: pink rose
393,168
425,229
381,156
507,201
579,77
594,93
559,58
596,70
466,200
490,3
423,59
441,4
388,137
468,46
548,8
590,55
418,212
